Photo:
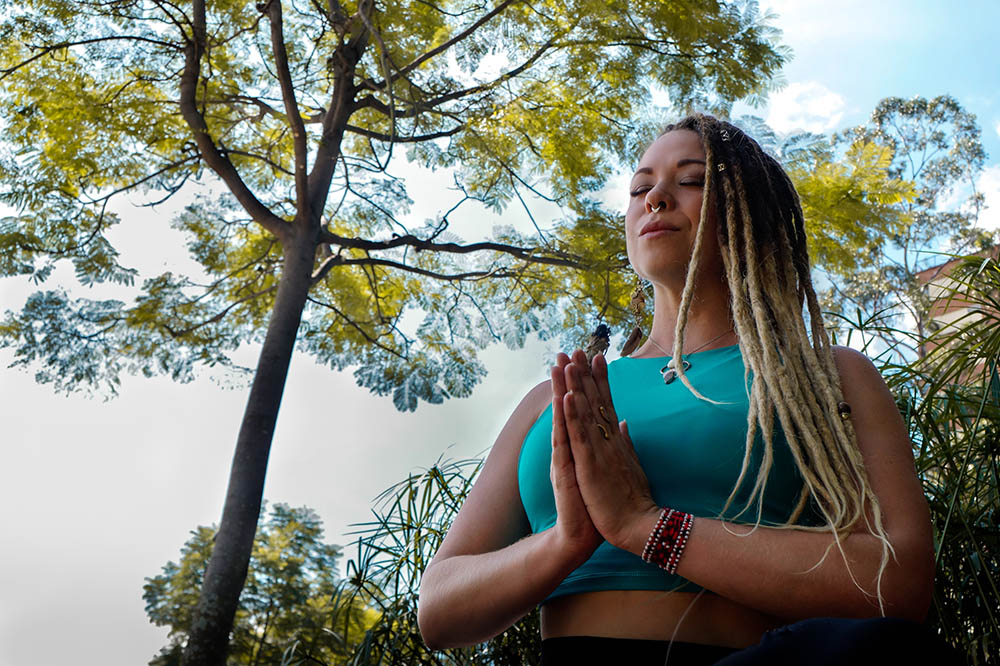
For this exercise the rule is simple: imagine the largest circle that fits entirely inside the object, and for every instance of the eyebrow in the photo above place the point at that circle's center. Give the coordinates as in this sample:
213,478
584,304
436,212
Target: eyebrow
683,162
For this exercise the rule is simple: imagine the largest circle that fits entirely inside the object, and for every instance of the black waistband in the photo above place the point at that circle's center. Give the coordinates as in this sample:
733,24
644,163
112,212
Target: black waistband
582,650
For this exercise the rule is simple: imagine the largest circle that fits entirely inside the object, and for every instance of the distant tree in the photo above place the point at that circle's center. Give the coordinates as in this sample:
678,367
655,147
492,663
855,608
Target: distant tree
853,202
293,605
936,145
295,109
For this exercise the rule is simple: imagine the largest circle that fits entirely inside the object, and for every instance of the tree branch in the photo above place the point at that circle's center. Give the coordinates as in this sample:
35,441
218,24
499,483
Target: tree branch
451,42
291,107
206,145
338,260
219,316
402,139
267,109
6,71
356,326
265,160
339,110
555,258
144,179
416,108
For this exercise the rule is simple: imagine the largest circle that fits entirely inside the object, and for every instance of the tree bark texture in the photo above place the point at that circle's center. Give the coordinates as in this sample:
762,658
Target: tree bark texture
208,639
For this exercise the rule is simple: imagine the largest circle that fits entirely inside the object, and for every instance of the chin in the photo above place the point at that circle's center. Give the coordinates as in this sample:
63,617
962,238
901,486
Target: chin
665,272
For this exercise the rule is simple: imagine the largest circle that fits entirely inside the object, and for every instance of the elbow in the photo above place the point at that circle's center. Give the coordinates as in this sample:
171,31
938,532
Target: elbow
443,626
426,621
911,603
432,621
430,639
908,586
428,630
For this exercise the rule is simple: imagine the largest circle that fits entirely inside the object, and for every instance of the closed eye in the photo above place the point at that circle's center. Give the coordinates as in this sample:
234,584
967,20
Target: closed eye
696,183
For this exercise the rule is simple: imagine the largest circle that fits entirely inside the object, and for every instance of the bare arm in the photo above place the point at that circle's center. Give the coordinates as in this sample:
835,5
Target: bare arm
766,570
467,599
483,579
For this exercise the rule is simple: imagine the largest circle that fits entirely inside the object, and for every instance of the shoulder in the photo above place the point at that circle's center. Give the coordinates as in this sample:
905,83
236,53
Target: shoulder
862,384
534,401
854,366
876,418
539,393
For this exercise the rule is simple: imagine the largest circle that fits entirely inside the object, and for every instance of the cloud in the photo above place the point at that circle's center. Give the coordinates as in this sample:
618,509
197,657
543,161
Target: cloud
808,106
989,185
997,128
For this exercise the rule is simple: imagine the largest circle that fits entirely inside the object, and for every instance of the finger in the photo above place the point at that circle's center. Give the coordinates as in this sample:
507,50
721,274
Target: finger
559,387
579,357
599,371
598,390
560,440
598,410
577,429
561,454
594,384
574,385
562,474
623,428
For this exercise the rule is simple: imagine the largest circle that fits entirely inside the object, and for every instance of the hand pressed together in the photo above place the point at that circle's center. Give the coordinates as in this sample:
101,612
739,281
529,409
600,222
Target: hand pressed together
573,523
613,486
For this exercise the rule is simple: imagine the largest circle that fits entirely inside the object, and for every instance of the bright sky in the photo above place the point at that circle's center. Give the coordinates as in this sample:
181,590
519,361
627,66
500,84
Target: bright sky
98,495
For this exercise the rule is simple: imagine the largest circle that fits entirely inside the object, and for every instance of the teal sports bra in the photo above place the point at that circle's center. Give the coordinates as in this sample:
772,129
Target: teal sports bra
690,449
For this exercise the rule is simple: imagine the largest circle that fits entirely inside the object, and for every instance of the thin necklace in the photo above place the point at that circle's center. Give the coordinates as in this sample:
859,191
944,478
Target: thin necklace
668,371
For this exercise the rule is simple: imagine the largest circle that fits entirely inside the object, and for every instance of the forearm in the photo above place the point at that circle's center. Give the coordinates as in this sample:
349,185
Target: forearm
467,599
769,570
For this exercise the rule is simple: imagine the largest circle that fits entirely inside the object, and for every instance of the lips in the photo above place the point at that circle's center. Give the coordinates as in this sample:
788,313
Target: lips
657,226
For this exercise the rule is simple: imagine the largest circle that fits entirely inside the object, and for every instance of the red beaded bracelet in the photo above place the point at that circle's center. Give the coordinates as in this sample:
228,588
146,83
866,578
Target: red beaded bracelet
667,540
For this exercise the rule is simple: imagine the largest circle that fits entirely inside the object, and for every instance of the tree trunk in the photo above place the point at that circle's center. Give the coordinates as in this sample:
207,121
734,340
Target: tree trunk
212,623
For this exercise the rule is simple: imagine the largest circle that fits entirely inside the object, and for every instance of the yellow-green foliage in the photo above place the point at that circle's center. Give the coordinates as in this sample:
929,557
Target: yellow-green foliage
549,96
851,206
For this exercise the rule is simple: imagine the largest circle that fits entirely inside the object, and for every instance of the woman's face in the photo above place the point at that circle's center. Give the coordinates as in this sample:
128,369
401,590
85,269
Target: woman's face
671,177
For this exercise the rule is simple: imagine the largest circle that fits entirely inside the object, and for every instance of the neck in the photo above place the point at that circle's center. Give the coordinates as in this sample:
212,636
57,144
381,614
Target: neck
709,316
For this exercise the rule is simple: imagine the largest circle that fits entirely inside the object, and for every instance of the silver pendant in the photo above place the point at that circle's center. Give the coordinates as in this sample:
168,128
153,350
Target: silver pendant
668,372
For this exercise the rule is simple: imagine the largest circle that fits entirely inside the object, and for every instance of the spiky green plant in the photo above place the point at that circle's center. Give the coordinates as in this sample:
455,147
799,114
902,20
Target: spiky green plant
949,395
411,519
956,426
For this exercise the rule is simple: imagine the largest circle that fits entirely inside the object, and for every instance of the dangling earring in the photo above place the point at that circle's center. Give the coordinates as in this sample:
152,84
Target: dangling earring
637,306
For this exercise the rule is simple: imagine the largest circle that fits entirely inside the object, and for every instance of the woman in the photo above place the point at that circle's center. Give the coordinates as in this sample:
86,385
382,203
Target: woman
698,526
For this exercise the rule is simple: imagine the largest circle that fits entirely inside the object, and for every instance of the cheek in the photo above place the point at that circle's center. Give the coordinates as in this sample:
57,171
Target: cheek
632,214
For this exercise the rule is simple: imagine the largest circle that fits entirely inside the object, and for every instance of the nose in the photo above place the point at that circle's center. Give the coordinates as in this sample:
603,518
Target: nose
657,199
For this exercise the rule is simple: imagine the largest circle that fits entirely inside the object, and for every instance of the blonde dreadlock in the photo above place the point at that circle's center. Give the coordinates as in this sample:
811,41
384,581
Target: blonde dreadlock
761,235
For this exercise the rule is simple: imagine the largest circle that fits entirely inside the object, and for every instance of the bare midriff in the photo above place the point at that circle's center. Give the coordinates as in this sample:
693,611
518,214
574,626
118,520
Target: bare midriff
708,619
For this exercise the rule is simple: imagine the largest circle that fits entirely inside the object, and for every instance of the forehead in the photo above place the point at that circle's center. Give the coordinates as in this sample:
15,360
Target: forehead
672,147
